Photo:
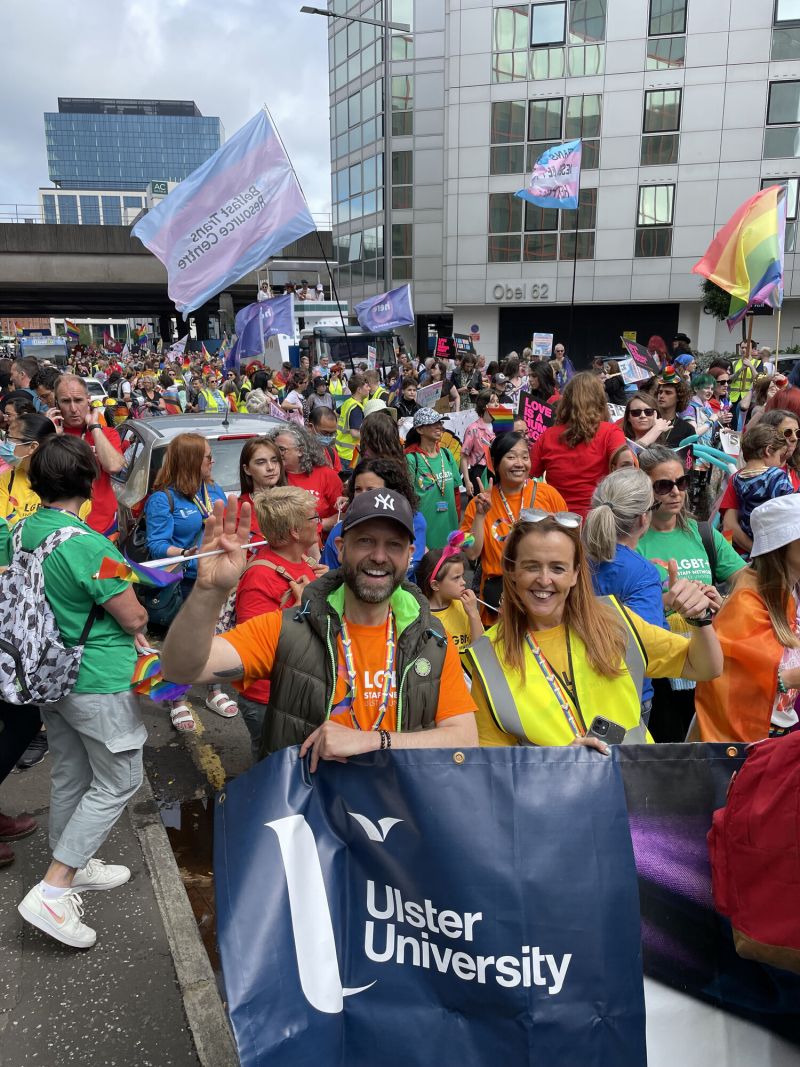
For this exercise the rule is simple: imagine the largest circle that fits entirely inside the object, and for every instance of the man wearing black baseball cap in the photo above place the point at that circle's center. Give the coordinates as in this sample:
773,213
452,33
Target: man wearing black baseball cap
360,665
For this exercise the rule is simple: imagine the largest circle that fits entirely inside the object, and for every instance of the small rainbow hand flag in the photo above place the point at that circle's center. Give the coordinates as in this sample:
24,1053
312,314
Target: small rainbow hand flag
72,330
502,418
137,574
148,680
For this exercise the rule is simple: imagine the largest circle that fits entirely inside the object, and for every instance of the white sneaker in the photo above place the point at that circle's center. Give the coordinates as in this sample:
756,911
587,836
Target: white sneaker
99,875
59,917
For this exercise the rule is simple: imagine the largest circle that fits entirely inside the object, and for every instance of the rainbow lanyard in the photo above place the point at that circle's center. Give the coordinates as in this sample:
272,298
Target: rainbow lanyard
203,506
554,683
439,485
346,703
512,518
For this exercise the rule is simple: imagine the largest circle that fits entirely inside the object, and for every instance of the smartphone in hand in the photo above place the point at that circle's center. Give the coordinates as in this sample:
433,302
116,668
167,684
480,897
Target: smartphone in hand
606,730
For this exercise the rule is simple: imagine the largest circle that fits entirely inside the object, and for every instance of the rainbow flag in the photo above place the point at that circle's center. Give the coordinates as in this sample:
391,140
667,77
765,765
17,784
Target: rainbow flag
72,330
19,330
136,574
502,418
204,352
139,333
746,256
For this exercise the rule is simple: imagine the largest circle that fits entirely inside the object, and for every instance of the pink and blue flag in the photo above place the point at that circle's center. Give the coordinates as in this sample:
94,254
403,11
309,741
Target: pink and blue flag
556,178
239,208
387,311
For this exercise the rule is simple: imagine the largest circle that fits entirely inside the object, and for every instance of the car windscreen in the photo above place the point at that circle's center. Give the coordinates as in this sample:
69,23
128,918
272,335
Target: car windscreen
226,462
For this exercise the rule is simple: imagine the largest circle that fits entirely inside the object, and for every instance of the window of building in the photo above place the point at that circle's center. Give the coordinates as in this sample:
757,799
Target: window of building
402,43
511,28
90,210
547,63
548,23
505,213
49,203
402,105
787,11
662,120
783,115
791,186
667,16
666,53
112,211
547,234
582,120
402,179
654,221
507,137
510,67
402,251
68,209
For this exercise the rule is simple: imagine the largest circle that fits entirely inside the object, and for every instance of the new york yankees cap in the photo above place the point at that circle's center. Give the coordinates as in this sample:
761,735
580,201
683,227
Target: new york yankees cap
379,504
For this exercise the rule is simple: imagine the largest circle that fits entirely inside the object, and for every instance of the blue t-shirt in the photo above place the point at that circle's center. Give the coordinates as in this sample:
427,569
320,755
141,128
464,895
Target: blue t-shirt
330,557
636,583
181,526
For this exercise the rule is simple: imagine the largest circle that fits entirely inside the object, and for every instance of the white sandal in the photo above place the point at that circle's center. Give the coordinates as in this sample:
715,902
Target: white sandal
182,718
221,703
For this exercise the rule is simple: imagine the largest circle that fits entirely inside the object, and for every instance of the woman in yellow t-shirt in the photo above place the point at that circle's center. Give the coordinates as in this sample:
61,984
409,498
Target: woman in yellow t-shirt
559,657
440,575
17,499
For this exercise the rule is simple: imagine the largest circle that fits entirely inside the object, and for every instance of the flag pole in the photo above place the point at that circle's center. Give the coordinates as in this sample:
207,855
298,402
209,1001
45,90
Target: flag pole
574,271
319,239
778,337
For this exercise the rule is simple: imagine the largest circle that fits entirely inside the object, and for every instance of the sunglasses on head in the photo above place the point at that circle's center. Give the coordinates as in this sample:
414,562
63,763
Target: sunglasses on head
568,519
666,485
635,412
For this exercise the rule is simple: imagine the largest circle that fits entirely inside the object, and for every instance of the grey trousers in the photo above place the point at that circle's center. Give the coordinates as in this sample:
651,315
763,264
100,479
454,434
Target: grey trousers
96,742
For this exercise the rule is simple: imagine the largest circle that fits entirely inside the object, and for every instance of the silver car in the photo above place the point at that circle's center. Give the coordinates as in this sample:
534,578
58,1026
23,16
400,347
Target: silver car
144,442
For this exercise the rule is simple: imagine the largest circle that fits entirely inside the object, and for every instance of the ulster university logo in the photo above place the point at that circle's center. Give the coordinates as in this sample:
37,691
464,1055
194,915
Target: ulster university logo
398,930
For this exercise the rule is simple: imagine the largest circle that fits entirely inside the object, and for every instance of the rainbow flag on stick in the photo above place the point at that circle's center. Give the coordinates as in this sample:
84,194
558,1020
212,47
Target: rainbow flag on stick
18,329
746,257
137,574
502,418
72,330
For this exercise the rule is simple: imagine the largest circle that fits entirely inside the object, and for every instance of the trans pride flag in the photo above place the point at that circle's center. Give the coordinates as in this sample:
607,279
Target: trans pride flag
556,178
746,257
239,208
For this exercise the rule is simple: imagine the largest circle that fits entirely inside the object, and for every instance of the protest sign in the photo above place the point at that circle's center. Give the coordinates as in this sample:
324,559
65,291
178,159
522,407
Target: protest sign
364,902
616,412
463,343
542,345
278,412
427,395
631,372
445,348
537,415
640,356
458,421
372,357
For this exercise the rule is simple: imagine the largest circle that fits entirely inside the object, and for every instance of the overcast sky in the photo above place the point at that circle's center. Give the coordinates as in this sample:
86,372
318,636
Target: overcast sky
230,56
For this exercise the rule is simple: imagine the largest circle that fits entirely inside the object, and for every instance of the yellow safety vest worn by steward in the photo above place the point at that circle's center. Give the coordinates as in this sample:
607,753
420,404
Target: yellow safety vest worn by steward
345,442
336,387
212,399
380,394
530,712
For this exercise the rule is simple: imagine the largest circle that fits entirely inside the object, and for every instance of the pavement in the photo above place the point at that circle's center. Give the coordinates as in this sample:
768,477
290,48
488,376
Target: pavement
147,994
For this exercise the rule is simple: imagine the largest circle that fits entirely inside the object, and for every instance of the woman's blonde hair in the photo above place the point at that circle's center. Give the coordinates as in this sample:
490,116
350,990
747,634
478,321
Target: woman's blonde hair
583,406
597,625
618,503
775,585
182,466
282,511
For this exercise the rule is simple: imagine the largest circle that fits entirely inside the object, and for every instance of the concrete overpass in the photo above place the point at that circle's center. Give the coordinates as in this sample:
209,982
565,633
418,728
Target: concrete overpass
102,270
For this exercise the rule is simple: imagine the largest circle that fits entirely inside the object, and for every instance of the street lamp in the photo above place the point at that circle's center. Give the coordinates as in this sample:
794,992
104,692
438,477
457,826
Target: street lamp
403,27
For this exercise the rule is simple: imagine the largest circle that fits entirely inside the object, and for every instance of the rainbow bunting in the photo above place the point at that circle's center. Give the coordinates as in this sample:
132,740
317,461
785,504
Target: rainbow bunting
746,256
148,680
73,331
502,418
136,574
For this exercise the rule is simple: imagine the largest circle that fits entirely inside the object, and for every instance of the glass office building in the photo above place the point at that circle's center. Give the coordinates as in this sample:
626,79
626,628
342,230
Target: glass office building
124,144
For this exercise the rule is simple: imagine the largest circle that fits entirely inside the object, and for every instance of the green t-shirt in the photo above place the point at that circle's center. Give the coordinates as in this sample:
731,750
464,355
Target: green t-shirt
687,549
109,654
429,475
5,543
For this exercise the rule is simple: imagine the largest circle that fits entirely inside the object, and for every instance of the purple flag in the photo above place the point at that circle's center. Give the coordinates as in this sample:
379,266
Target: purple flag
264,319
387,311
230,215
556,178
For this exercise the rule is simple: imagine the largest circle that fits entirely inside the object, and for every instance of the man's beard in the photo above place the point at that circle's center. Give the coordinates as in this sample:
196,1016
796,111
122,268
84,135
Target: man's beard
369,591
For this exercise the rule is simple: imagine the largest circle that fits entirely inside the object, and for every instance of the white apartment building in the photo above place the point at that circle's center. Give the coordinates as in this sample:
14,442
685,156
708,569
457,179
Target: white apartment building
685,107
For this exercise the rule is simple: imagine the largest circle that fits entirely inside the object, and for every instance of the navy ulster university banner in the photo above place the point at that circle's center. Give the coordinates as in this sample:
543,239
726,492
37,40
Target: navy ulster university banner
429,907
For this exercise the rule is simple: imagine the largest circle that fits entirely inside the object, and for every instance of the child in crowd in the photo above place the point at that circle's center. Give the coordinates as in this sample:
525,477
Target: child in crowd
441,578
762,476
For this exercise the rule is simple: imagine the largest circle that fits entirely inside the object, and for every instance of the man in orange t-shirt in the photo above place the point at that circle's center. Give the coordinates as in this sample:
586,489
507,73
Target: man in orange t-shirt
362,666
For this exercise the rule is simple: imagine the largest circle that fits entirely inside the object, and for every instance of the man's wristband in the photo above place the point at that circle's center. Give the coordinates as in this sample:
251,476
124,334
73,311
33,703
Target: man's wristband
386,739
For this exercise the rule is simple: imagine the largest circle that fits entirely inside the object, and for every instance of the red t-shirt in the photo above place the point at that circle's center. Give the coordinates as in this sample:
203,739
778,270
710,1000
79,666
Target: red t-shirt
103,515
255,532
261,589
575,472
324,483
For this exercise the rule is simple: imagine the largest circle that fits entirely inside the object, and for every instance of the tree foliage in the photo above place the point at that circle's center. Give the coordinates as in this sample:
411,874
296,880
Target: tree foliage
715,300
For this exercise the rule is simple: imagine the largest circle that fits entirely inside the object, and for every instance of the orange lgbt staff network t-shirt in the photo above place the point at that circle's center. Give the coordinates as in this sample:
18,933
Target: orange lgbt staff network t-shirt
256,641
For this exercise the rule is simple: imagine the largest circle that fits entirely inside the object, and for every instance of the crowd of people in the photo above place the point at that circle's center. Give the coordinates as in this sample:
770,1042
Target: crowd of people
380,582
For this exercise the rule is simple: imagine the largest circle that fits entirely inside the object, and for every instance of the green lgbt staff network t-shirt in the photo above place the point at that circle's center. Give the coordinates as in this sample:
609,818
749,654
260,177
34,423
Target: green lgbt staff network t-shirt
109,655
687,549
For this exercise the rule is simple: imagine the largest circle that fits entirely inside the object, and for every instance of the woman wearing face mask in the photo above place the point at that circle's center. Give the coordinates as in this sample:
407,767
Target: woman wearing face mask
681,550
260,467
490,515
17,499
559,656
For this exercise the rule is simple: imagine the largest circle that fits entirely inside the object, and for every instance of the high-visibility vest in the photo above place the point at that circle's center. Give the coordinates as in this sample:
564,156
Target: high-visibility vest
345,442
380,394
529,710
336,386
214,401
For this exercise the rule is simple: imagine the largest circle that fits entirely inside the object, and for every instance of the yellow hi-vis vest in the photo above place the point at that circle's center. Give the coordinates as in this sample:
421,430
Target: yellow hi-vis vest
212,398
345,442
336,387
529,710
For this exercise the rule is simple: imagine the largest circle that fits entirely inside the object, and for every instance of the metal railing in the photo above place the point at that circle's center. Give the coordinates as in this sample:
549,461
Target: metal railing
32,214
